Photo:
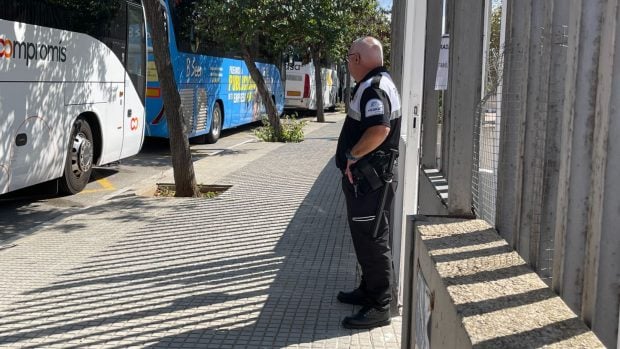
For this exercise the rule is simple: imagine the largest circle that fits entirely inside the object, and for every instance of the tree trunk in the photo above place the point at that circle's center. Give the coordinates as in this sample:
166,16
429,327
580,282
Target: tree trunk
268,102
318,83
182,166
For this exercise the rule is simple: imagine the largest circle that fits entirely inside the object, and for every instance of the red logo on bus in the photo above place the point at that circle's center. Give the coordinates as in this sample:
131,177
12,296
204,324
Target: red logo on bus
133,124
6,48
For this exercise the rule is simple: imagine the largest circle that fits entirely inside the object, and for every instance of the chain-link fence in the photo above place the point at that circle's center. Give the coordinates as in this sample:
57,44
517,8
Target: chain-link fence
486,155
487,124
541,116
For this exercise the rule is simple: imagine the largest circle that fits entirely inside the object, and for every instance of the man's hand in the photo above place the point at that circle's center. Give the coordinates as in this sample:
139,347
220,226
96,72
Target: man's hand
347,172
370,140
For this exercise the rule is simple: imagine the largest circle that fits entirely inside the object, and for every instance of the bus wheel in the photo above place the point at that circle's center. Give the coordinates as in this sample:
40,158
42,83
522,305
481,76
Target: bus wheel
216,124
79,161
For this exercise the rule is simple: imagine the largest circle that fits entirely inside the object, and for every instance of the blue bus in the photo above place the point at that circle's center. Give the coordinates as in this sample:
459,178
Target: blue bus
216,91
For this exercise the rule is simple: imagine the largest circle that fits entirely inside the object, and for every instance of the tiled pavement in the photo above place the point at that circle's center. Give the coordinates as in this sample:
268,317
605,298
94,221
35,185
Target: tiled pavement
257,267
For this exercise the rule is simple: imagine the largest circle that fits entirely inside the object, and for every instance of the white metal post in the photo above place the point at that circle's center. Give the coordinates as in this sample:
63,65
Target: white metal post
411,88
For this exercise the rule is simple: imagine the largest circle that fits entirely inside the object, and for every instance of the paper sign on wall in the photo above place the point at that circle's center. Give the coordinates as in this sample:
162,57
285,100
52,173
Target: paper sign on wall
441,82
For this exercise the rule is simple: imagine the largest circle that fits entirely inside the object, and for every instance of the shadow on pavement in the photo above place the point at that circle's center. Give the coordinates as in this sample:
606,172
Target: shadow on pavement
207,274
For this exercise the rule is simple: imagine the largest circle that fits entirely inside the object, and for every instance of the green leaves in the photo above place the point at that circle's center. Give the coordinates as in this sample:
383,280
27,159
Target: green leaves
328,26
233,23
292,131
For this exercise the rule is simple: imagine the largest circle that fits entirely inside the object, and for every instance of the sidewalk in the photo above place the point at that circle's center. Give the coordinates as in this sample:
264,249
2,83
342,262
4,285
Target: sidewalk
257,267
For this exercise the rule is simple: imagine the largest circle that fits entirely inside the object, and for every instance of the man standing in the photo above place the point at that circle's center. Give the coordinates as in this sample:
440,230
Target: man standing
367,147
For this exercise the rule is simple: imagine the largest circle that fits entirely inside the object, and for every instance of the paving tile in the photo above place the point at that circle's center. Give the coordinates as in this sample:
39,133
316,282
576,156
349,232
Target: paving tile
257,267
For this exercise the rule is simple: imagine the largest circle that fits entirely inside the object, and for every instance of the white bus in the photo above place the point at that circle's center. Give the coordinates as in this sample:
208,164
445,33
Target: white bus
300,87
72,86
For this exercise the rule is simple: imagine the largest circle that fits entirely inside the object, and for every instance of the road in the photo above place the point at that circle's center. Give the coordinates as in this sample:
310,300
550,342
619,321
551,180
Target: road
23,212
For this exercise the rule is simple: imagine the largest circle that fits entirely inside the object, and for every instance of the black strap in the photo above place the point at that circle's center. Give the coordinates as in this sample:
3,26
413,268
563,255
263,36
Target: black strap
386,187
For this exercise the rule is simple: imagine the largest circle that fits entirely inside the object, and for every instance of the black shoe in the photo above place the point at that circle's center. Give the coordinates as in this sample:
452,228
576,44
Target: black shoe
368,317
355,297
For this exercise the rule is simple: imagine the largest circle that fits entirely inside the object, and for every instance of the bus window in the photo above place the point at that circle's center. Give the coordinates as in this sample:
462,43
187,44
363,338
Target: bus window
113,32
103,20
136,49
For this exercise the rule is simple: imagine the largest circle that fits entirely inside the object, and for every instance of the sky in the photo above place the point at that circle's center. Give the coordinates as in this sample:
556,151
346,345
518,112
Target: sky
386,4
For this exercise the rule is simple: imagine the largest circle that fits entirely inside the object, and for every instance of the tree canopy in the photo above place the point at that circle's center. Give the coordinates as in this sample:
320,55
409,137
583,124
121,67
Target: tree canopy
328,25
265,29
495,54
325,29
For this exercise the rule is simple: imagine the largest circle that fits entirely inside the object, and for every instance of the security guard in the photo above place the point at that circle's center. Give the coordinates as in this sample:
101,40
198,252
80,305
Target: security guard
369,135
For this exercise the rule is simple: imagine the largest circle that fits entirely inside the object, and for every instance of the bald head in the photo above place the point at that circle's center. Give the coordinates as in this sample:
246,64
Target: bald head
368,55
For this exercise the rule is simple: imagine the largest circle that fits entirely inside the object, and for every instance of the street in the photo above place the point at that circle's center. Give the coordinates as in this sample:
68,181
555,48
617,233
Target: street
23,212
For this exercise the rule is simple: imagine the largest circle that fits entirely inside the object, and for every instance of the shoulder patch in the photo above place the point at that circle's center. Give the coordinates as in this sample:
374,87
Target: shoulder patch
374,107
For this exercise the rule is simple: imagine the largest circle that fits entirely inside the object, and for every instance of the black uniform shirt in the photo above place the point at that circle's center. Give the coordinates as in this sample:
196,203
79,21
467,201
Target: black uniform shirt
375,102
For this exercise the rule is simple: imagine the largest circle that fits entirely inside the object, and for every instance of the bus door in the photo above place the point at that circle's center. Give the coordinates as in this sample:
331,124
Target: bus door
135,82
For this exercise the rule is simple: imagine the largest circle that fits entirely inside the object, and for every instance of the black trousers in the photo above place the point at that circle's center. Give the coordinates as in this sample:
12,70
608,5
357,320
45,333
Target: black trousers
373,254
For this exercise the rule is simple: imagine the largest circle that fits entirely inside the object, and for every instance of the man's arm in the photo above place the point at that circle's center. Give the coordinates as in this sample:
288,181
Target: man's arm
371,139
